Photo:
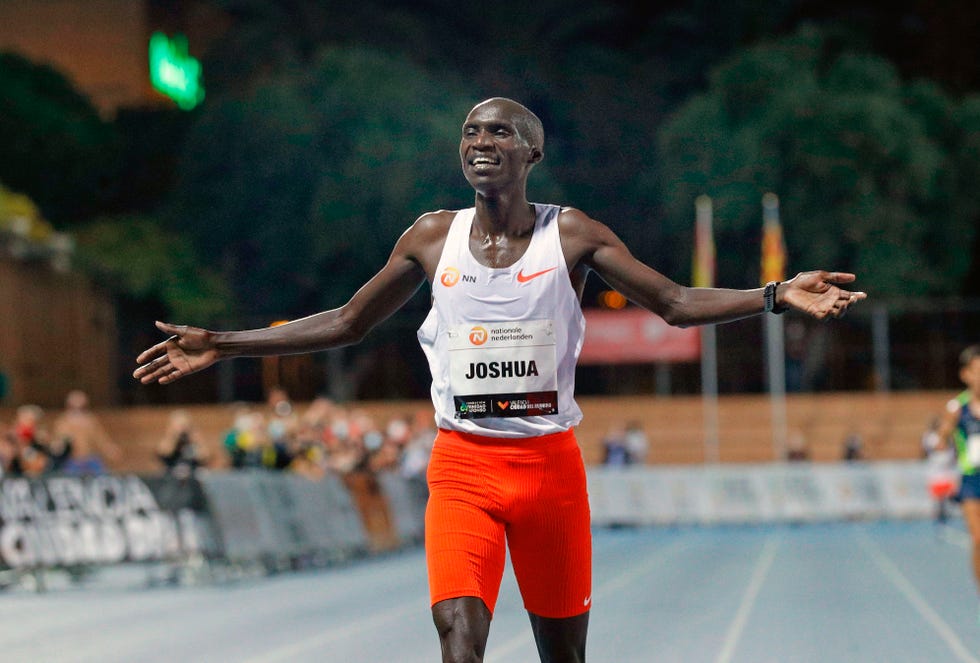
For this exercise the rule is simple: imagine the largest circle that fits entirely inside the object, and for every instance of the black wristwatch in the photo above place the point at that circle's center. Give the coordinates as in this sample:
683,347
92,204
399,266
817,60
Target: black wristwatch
769,298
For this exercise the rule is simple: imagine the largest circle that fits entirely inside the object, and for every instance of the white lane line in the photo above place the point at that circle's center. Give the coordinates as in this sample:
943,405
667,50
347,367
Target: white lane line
524,641
922,606
370,624
748,601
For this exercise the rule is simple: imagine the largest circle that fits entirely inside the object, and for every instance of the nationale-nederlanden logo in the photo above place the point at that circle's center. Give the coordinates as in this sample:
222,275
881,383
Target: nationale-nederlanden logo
450,277
478,335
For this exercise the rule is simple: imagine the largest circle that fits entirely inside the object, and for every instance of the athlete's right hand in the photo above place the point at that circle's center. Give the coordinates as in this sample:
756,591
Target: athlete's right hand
188,350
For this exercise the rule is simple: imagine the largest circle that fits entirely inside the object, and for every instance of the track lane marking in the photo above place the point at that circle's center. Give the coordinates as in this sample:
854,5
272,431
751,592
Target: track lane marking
912,595
293,650
505,650
735,629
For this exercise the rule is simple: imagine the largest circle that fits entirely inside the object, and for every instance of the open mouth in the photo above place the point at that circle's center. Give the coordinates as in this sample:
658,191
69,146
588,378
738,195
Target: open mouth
480,163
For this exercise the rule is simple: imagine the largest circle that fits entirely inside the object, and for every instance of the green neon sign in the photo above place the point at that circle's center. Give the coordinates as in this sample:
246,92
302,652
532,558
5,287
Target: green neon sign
174,72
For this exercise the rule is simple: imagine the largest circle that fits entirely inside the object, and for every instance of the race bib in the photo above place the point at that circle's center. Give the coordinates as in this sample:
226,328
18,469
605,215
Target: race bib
503,369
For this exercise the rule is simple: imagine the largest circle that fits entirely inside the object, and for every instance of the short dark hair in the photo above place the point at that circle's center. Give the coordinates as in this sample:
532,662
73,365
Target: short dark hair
969,354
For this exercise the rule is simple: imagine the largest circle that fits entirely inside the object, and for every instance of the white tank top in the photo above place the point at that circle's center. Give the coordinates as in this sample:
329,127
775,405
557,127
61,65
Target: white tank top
502,343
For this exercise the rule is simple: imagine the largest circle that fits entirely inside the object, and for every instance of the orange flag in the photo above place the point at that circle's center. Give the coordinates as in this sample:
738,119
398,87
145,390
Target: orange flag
773,248
703,272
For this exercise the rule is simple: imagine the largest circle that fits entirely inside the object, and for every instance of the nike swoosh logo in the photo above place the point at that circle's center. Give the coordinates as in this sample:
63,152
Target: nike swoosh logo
587,601
524,278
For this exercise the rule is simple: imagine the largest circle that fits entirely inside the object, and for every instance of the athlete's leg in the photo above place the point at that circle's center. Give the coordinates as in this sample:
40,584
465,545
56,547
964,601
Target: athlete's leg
971,516
560,640
550,541
463,625
465,549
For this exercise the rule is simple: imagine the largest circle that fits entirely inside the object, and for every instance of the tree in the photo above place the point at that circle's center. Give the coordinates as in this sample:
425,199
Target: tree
56,148
299,187
143,262
855,155
246,177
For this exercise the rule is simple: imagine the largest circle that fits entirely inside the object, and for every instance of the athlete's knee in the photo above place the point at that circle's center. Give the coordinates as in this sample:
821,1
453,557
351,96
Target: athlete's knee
463,625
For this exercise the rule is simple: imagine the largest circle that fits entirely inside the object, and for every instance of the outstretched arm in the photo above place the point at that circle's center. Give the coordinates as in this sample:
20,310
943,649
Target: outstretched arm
191,349
588,242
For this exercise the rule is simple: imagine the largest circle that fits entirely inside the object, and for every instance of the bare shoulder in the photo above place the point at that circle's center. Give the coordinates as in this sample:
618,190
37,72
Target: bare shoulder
432,225
572,220
423,240
581,235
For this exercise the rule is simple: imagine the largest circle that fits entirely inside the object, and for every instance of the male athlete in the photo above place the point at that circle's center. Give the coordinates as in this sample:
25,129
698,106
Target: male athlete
961,423
502,339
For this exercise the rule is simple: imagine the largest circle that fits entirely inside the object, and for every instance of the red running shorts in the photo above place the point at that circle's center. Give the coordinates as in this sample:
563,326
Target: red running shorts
528,494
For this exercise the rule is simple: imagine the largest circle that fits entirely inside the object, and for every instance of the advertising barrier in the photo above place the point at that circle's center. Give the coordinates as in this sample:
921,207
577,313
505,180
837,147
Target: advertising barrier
777,492
65,521
406,499
265,516
279,519
233,517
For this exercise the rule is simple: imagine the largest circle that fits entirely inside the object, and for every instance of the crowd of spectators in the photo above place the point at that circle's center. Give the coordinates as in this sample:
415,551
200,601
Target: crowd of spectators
318,438
74,443
326,437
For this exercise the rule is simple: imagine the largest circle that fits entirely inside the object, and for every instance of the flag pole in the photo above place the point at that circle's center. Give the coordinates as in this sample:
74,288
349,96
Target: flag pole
774,269
704,277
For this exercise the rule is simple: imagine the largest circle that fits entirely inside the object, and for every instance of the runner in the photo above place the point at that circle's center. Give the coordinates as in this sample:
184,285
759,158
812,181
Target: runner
502,339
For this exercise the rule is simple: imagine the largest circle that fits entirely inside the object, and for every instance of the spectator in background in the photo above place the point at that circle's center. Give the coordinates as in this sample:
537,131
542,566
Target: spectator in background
79,432
388,456
8,449
418,448
797,449
31,453
930,438
853,447
181,449
310,455
637,445
281,427
345,445
246,438
615,453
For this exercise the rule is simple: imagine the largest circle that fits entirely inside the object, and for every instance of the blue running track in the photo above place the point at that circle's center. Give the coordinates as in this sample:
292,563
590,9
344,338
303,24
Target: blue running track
863,592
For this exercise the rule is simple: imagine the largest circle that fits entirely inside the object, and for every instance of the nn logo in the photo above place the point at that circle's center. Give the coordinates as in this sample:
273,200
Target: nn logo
451,276
478,335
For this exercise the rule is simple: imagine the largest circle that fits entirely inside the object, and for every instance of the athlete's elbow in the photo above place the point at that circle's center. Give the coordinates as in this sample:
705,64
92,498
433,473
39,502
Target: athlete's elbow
674,310
678,319
349,328
348,334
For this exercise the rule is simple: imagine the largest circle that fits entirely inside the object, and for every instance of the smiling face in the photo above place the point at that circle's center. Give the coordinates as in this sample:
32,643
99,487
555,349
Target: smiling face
500,144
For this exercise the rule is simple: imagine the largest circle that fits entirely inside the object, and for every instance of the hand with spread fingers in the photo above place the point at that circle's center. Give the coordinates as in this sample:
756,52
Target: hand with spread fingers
818,294
188,350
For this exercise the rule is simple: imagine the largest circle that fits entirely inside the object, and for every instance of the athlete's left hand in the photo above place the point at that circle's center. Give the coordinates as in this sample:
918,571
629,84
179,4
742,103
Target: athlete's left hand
819,294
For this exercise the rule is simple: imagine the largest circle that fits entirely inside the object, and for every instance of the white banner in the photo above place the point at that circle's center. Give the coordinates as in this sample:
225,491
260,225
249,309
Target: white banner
777,492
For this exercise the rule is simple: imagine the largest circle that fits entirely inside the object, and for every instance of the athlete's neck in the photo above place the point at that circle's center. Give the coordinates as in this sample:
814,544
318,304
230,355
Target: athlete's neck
504,215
